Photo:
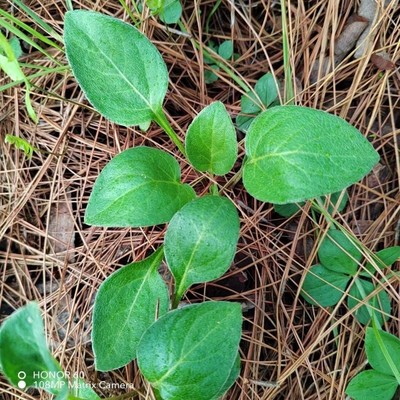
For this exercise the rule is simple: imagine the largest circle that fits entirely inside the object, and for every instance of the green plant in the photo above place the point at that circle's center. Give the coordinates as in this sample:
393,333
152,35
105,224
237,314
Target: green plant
225,51
264,95
340,259
383,380
169,11
292,154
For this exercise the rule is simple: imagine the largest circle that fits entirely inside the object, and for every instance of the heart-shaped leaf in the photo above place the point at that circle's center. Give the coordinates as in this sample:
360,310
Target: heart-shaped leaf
338,253
297,153
201,240
372,385
378,302
25,358
121,72
139,187
323,287
126,304
189,353
211,140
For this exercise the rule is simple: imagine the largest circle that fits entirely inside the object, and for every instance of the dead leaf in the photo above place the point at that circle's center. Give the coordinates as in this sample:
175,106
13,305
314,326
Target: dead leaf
61,229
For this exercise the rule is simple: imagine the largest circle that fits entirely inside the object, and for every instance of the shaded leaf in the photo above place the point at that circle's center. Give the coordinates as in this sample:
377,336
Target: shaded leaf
201,240
225,49
138,187
338,253
211,140
378,302
323,287
126,304
296,153
121,72
189,353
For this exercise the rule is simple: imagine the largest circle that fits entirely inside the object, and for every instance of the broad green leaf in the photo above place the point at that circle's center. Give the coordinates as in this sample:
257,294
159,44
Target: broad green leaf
211,140
379,302
385,258
201,240
126,304
225,50
121,72
24,356
323,287
376,356
265,92
372,385
297,153
338,253
138,187
189,353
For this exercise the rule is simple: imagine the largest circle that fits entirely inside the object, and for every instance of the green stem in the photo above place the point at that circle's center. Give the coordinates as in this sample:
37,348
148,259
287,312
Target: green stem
289,91
163,122
177,297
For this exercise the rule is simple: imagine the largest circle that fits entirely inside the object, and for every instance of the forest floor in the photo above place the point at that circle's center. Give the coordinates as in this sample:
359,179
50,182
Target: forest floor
289,349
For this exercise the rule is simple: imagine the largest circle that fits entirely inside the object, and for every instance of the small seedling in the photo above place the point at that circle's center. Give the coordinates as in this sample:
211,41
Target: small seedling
339,257
292,154
264,95
225,51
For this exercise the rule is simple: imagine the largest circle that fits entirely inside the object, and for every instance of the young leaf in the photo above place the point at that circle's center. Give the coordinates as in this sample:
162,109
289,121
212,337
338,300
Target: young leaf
201,240
378,302
266,92
138,187
323,287
376,357
24,358
296,153
386,258
338,253
127,303
225,50
121,72
211,140
189,353
372,385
